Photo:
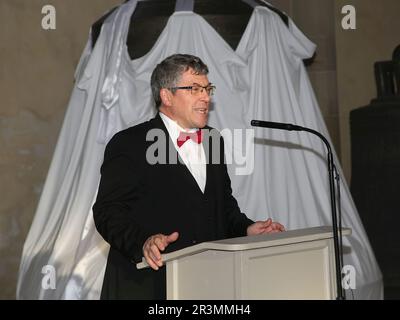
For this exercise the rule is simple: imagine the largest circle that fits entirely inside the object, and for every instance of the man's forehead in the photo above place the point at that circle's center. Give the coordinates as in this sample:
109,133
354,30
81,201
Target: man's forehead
190,76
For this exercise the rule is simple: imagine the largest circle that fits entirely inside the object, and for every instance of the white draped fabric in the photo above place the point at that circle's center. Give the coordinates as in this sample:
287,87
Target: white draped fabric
263,79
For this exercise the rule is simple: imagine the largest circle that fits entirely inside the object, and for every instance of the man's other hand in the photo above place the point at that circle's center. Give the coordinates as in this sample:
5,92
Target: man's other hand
262,227
153,246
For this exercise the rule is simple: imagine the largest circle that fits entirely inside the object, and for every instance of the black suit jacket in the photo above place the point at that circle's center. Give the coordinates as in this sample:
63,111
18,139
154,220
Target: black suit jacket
137,199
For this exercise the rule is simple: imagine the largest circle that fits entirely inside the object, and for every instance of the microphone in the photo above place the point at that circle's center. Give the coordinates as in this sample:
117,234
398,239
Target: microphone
276,125
331,166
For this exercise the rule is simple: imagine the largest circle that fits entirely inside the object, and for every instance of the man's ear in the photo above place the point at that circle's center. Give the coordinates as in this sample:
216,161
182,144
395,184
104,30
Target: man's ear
166,97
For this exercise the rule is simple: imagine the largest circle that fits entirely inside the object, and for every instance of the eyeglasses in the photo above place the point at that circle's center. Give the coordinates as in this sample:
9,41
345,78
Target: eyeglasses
197,89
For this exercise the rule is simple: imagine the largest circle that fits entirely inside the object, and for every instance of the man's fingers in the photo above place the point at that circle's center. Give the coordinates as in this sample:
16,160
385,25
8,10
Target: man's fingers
278,226
268,229
160,242
262,224
150,261
151,252
267,222
172,237
156,255
274,231
153,246
281,227
263,227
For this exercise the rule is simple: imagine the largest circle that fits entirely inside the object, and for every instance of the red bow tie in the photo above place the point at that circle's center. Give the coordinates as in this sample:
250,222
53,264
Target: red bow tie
185,136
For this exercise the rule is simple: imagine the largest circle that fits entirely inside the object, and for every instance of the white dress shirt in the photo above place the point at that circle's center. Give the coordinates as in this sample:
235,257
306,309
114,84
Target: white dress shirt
191,153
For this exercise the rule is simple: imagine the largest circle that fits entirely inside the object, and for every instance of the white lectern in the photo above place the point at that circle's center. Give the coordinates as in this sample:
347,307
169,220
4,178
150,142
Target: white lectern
296,264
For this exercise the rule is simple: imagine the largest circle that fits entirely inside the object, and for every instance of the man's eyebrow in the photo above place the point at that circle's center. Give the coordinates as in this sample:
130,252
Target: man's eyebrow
198,84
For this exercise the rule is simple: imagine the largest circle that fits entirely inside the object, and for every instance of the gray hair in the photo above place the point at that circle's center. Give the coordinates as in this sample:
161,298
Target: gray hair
169,71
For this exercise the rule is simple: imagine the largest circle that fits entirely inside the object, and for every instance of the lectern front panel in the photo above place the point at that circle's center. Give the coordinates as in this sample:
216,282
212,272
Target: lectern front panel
207,275
296,271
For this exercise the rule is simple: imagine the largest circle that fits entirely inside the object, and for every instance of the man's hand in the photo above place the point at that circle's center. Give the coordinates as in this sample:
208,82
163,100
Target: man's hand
153,246
262,227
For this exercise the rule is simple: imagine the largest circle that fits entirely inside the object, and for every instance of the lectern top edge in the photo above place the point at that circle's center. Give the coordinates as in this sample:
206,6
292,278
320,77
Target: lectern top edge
252,242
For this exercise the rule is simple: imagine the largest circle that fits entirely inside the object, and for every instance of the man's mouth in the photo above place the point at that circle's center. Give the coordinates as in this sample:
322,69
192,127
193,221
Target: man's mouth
201,110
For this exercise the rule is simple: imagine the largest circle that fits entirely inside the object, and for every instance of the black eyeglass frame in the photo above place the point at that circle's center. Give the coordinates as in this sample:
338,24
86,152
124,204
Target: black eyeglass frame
209,89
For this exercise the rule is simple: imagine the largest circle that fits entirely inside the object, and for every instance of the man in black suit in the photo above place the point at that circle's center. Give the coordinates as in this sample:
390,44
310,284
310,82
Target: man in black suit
154,200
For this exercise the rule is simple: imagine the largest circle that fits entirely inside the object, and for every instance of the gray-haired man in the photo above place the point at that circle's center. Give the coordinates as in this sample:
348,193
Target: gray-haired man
146,208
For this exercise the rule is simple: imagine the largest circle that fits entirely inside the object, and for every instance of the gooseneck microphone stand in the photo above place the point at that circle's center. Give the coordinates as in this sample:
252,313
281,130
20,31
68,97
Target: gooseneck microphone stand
337,248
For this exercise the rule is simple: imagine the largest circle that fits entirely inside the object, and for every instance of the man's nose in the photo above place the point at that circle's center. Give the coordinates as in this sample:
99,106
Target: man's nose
204,95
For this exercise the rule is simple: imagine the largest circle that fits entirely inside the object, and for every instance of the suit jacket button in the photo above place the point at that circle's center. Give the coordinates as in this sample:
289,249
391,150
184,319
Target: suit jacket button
194,241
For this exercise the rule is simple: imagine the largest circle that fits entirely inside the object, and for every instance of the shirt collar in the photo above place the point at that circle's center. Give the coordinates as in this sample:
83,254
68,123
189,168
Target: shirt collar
174,129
